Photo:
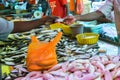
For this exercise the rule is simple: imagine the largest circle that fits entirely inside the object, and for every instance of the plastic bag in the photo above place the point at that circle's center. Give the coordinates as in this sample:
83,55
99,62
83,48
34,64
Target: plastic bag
79,6
42,55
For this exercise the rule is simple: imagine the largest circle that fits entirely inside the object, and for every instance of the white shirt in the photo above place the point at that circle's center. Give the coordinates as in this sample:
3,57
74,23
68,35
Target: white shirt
107,10
6,28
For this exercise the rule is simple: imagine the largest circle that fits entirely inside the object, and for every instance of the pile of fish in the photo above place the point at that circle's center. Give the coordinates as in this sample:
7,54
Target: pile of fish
103,67
13,50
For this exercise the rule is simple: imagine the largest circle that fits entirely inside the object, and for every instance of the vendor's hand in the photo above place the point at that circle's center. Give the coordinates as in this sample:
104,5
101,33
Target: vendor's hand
50,19
69,20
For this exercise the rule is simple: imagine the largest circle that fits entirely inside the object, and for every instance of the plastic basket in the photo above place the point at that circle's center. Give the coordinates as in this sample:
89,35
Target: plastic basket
66,29
87,38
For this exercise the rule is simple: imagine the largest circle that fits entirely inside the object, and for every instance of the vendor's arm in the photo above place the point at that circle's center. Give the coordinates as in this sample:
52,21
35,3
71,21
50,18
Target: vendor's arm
87,17
21,26
100,14
90,16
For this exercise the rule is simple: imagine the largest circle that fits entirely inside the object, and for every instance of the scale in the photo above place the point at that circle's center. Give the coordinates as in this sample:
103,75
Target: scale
37,14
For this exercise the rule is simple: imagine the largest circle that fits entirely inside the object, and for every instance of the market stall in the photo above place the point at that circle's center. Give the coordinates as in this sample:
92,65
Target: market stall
68,50
84,50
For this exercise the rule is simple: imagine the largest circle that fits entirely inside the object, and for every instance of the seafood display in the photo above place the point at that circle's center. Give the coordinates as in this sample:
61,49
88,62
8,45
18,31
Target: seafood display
13,53
103,67
13,50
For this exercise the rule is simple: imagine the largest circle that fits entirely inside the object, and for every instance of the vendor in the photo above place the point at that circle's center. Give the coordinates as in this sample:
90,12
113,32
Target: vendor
7,27
107,12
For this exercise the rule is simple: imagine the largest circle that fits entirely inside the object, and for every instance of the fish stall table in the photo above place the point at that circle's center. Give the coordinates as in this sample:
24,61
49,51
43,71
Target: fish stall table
111,49
19,48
